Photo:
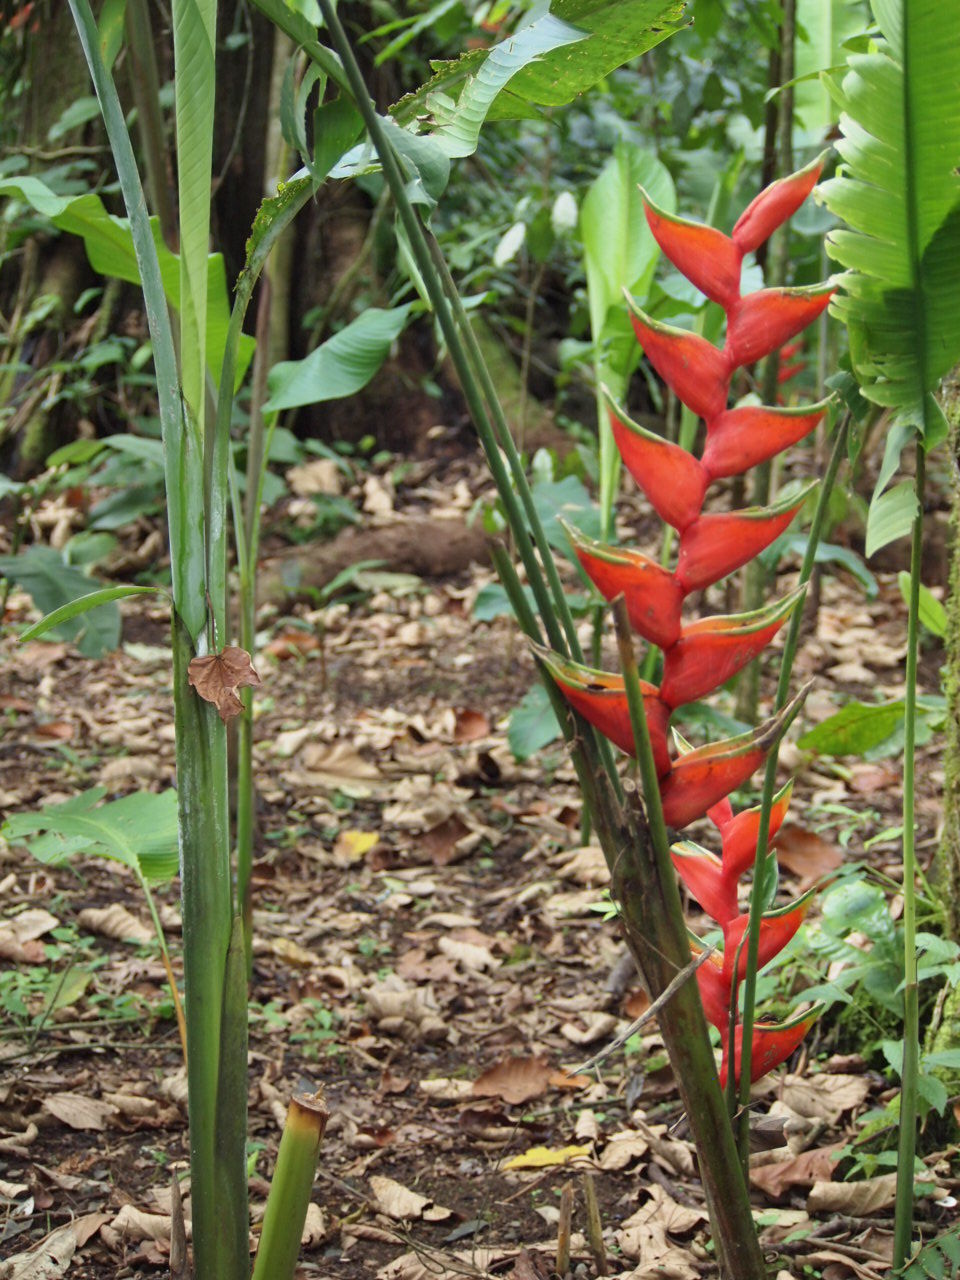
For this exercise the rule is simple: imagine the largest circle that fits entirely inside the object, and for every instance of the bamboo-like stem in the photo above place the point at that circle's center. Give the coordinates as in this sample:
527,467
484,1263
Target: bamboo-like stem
564,1229
598,1250
290,1188
167,966
906,1149
760,867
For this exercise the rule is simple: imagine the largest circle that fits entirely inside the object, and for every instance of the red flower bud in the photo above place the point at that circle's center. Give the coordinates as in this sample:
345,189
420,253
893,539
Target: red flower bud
740,833
715,545
711,650
703,874
762,321
773,1043
707,257
600,697
696,370
653,595
741,438
774,205
672,478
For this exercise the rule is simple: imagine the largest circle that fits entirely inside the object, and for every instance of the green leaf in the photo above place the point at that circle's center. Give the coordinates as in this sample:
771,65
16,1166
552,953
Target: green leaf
932,613
111,22
194,43
899,194
854,730
109,245
548,62
822,28
340,366
890,516
139,831
81,605
619,250
53,585
532,724
568,500
336,126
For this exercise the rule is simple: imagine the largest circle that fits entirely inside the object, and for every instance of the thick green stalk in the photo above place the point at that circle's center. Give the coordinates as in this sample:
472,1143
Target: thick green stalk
758,891
906,1150
145,86
290,1188
645,888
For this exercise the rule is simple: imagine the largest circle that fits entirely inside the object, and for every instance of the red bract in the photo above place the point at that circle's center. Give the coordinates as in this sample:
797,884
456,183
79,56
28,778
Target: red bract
702,655
772,1042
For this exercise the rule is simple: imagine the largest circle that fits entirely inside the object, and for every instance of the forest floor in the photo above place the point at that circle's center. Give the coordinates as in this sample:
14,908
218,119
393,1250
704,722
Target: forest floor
428,948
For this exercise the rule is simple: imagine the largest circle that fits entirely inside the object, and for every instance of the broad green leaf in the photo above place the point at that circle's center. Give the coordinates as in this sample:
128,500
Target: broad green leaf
822,28
81,605
854,730
899,194
618,248
111,30
340,366
51,584
532,724
567,500
194,43
932,613
890,517
828,553
139,831
608,33
336,126
109,247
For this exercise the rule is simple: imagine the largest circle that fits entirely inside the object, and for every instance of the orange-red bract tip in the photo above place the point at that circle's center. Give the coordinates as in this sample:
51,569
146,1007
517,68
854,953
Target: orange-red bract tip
653,595
707,257
772,1043
763,321
712,650
741,438
774,205
739,836
776,930
705,775
703,874
696,370
715,545
673,479
600,697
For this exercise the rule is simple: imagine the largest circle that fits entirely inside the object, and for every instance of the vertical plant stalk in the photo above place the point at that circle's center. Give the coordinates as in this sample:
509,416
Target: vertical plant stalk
647,921
906,1149
145,86
290,1188
760,866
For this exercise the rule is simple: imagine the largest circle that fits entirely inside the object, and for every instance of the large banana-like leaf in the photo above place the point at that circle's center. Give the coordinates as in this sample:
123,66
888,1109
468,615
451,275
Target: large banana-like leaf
899,195
822,28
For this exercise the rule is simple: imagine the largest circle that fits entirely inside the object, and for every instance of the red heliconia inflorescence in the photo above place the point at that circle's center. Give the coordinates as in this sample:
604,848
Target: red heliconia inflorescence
700,656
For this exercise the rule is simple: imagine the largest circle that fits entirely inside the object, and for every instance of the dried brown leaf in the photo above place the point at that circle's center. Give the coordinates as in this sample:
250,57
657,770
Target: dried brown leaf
78,1112
806,855
217,677
514,1080
400,1203
857,1199
115,922
804,1170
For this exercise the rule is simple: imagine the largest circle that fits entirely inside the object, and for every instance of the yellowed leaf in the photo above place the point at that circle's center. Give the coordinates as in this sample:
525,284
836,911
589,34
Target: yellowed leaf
352,846
546,1157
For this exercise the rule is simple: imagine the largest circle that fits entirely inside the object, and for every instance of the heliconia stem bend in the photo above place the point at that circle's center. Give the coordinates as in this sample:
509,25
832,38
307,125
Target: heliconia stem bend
700,656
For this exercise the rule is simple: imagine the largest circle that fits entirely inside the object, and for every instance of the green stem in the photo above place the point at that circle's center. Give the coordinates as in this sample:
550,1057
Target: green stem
906,1150
290,1188
760,867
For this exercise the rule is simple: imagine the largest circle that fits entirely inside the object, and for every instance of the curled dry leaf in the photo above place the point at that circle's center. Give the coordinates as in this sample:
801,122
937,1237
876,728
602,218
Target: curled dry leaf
78,1112
116,922
806,855
217,677
18,935
400,1203
53,1255
857,1199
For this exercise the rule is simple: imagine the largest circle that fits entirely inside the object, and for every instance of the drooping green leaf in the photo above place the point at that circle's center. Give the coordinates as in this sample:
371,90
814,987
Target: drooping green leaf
932,613
109,247
899,194
826,553
139,831
53,585
340,366
890,517
854,730
94,600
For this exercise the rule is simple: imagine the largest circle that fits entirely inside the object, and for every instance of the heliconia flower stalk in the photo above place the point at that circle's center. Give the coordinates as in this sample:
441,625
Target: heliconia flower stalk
700,656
